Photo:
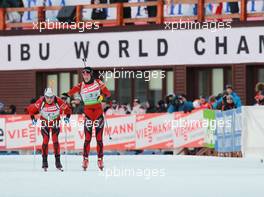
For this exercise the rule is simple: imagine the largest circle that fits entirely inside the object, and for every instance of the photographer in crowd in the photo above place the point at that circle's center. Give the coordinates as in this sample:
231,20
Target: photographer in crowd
180,103
221,98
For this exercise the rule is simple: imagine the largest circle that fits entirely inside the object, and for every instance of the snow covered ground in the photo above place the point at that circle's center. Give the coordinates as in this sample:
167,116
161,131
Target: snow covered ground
131,176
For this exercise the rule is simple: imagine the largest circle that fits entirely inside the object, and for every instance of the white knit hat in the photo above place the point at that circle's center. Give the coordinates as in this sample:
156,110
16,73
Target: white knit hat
48,92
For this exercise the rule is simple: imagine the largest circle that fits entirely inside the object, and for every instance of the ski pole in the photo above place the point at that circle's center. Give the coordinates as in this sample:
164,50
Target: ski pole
34,149
65,145
84,62
106,124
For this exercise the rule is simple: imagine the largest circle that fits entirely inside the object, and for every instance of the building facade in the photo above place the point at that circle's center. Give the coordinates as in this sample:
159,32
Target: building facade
145,62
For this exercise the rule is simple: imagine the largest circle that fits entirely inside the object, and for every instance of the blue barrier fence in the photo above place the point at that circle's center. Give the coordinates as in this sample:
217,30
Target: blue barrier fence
228,134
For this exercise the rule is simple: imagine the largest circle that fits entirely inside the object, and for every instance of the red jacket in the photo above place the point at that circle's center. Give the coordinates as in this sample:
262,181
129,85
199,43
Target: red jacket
47,111
90,92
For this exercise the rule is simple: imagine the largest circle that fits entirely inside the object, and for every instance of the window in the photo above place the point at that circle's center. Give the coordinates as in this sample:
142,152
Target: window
217,80
75,79
170,82
52,81
60,81
207,81
141,89
155,87
64,82
110,84
204,83
124,91
227,76
261,75
148,87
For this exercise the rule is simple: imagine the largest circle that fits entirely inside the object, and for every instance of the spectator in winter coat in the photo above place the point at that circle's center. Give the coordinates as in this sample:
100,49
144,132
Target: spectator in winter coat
76,103
99,13
259,93
123,110
180,103
77,106
11,110
211,102
228,103
188,105
2,108
137,108
149,107
236,98
203,103
229,91
126,10
196,104
260,98
161,107
168,100
152,10
220,101
113,110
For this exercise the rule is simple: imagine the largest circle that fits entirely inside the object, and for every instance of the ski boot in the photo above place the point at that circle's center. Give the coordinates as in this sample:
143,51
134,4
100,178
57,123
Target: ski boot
45,163
100,163
85,163
58,163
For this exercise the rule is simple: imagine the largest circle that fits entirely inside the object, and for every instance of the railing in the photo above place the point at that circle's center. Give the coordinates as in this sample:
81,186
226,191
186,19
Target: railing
120,20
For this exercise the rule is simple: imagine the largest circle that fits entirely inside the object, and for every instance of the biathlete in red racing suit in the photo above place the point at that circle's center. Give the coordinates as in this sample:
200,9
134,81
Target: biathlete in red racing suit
50,108
93,92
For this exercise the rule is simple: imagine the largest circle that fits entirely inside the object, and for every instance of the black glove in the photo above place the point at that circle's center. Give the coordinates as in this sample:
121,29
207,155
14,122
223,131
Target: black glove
32,117
34,120
65,94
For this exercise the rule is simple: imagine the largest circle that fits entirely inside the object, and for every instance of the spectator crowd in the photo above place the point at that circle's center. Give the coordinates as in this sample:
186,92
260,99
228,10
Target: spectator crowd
11,109
103,13
228,99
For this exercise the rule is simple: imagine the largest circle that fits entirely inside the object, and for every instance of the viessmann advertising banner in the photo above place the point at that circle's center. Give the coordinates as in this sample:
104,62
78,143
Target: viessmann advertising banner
134,48
228,131
119,133
20,133
154,131
2,133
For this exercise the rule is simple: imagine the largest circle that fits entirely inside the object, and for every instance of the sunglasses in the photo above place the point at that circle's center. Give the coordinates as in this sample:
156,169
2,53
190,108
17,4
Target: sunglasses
49,97
85,72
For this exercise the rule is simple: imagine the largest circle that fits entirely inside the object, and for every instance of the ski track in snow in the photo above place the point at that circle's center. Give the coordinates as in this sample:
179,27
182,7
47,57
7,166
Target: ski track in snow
183,176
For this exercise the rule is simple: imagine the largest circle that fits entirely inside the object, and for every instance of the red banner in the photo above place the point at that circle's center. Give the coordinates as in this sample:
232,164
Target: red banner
123,132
